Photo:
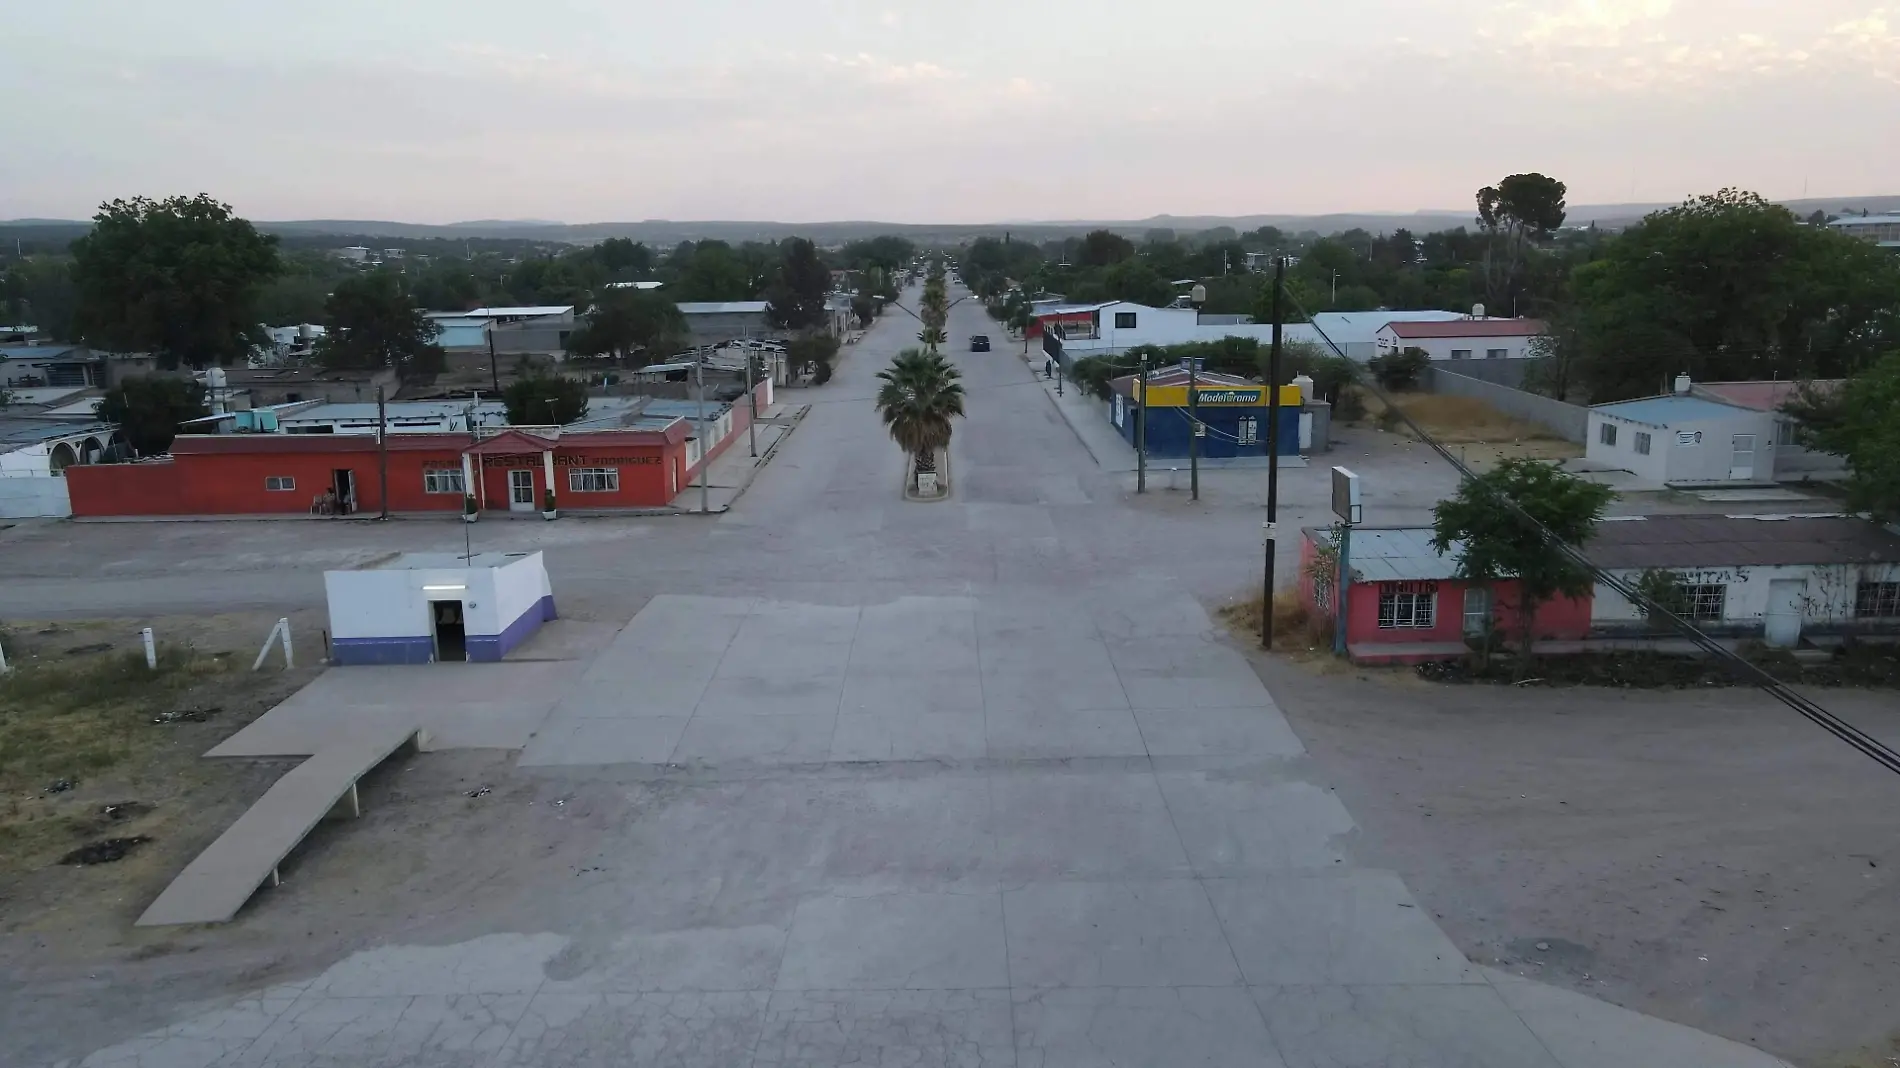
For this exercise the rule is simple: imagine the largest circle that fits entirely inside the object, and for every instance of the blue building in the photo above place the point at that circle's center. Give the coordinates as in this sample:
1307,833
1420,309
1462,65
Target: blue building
1233,410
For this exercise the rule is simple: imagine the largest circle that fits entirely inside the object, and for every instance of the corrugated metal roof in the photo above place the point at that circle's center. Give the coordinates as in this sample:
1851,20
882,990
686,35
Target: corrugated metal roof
1362,328
1400,554
42,352
1676,407
1699,541
723,307
1764,396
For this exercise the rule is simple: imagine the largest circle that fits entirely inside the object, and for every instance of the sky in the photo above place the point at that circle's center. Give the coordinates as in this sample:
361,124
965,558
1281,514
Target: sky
972,111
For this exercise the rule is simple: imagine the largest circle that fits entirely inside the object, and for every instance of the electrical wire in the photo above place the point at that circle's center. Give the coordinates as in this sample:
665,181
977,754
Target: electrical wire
1744,669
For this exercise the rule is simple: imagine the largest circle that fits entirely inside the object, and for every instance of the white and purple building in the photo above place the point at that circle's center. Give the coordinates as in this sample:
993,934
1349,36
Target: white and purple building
421,608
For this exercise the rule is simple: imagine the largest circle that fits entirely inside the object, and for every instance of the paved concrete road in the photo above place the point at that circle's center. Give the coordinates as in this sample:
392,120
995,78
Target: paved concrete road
962,783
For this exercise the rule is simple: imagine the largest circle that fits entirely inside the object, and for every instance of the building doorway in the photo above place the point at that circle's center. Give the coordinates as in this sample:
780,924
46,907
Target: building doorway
1741,464
448,630
1786,600
343,484
521,490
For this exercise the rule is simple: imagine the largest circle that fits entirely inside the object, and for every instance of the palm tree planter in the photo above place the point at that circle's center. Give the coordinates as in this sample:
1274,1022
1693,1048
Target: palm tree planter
471,511
548,511
921,393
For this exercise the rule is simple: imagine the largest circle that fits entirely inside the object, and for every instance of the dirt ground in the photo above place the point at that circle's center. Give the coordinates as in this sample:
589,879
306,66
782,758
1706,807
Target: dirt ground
1705,855
1480,434
130,777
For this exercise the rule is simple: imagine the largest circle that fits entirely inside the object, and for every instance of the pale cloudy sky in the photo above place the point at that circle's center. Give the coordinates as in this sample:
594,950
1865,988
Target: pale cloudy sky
961,111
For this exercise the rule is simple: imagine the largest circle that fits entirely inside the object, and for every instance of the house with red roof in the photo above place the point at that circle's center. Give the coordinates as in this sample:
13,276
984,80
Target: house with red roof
1462,339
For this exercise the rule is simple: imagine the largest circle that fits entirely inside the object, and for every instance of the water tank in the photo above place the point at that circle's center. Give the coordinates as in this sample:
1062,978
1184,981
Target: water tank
1305,382
1682,382
1477,311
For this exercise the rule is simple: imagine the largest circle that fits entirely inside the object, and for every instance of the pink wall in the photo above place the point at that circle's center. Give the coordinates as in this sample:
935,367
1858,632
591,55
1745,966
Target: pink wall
1562,619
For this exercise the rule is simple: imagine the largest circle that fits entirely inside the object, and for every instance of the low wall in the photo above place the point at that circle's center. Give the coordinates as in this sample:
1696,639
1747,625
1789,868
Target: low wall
35,497
1498,372
1570,422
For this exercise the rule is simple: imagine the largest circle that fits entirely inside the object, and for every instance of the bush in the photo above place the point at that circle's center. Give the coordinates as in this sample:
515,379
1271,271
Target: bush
1092,374
1401,370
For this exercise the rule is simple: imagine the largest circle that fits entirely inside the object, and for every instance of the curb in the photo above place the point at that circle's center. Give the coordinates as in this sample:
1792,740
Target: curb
949,483
1069,422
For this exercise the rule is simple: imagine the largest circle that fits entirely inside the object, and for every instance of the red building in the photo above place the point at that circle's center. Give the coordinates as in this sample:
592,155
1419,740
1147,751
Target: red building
1405,603
265,474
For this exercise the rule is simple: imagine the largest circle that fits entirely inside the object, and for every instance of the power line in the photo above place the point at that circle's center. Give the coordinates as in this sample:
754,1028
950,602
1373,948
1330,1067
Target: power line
1741,666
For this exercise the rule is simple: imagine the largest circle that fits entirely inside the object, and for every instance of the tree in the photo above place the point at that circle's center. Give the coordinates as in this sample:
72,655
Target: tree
1133,280
149,408
1100,248
797,294
1730,286
921,393
545,400
813,353
39,291
371,322
179,278
1494,542
864,308
1861,422
1521,209
630,325
1400,370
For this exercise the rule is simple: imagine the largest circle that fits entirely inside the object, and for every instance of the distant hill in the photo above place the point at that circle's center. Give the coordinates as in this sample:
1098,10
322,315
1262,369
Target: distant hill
666,232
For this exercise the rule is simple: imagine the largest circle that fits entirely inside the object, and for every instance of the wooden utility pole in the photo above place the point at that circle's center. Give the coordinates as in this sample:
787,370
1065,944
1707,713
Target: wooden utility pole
1273,461
382,449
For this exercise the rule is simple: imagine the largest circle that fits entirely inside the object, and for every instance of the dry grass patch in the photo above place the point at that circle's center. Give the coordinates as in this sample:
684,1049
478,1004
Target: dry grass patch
1297,631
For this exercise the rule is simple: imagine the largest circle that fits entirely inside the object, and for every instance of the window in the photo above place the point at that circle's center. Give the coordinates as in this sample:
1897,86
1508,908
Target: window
1641,444
1703,602
1461,354
1477,610
1408,605
1877,600
1124,320
1784,433
277,483
593,480
1606,433
1496,354
442,480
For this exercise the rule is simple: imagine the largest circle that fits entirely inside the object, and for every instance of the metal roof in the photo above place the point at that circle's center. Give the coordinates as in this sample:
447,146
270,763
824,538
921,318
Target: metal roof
1697,541
724,307
634,285
16,433
1400,554
1670,408
42,352
1362,328
1864,220
1764,396
1468,328
525,312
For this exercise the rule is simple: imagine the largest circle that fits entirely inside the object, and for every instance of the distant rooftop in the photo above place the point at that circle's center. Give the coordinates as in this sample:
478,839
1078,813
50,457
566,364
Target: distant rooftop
526,312
1469,328
724,307
1765,396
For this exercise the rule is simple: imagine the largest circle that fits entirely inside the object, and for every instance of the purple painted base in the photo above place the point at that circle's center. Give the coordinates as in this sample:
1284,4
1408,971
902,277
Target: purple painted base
490,647
360,651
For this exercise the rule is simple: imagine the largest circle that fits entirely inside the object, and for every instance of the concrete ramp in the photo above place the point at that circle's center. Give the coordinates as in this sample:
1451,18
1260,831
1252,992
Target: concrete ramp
213,887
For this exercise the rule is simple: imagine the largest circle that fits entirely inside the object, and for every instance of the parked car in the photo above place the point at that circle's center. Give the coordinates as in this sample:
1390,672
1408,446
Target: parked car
979,343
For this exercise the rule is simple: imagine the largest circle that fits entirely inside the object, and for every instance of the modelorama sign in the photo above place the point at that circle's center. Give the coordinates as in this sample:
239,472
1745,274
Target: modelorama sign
1227,396
534,460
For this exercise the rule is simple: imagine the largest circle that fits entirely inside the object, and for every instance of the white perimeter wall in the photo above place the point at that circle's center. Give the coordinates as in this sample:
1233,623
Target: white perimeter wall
1829,597
1439,348
34,497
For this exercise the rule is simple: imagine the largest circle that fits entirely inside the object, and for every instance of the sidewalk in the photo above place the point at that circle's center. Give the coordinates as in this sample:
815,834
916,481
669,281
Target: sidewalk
732,471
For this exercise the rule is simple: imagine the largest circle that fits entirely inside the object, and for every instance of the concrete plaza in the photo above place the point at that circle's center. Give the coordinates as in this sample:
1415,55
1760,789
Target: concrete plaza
966,783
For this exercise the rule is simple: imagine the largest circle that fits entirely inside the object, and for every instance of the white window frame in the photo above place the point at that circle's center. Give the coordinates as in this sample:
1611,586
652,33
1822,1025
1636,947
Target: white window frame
1703,602
1404,609
1606,433
1877,600
280,484
1640,442
593,480
443,480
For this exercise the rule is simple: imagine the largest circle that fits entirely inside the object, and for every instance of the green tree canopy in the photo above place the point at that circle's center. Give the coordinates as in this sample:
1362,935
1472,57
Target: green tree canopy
545,400
179,278
149,408
1494,542
631,325
1100,248
797,295
1861,422
1730,286
371,322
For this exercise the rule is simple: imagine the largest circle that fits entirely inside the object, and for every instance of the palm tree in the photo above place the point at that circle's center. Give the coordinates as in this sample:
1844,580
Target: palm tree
922,391
932,336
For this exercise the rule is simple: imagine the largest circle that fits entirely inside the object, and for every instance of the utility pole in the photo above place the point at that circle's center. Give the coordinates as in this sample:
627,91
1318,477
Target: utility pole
1141,432
699,416
1194,429
1273,461
382,449
752,399
494,373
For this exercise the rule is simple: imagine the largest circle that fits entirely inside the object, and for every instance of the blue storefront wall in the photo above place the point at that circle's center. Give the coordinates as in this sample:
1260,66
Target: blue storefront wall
1168,428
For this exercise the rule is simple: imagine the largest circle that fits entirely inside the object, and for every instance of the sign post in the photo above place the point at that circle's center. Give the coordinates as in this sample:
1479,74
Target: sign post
1347,506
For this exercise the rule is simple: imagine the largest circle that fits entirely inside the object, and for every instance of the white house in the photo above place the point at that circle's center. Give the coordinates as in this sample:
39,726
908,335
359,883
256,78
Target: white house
1119,325
1357,333
1793,460
34,455
1779,576
1882,230
1680,438
423,608
1462,338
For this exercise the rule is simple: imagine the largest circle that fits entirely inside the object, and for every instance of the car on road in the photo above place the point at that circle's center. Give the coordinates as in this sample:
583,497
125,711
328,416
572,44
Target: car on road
979,343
